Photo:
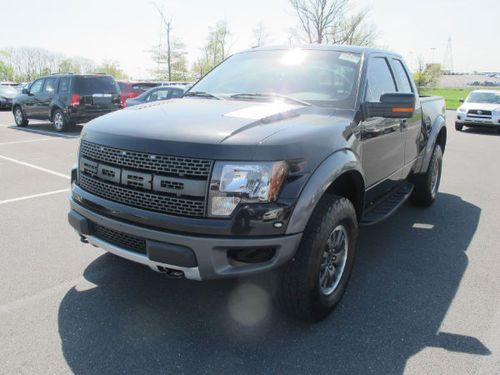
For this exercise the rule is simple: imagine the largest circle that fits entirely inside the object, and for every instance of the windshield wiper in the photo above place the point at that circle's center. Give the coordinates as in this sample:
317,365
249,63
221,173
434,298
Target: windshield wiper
269,95
202,94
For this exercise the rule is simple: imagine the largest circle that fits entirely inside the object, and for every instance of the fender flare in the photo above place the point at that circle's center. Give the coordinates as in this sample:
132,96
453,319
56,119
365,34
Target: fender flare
328,171
439,123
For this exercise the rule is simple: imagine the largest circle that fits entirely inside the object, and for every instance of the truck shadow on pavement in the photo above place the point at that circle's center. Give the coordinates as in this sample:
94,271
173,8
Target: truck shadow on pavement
48,130
407,273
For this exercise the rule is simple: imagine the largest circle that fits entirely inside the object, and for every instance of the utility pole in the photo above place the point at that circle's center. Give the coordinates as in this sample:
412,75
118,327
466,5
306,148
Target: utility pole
448,57
168,27
433,49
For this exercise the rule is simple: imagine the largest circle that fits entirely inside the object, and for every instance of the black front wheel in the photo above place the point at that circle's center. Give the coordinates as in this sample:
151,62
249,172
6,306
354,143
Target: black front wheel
313,282
20,118
458,127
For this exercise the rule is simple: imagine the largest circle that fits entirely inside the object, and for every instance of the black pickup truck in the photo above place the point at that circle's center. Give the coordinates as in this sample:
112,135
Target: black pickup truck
270,162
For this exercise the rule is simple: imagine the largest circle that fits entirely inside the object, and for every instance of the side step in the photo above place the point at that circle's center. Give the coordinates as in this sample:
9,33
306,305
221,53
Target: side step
387,206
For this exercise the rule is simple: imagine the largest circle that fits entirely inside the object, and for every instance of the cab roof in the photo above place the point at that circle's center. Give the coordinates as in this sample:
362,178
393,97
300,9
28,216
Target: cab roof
325,47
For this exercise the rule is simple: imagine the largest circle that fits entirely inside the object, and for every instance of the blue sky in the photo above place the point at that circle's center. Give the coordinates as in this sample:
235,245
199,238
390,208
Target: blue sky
124,30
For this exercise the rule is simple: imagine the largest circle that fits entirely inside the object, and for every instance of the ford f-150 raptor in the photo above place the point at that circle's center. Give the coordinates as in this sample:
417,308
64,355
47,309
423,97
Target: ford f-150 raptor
269,162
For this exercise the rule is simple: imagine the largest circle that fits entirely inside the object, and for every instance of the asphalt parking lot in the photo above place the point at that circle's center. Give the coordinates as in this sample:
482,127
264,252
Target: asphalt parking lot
424,296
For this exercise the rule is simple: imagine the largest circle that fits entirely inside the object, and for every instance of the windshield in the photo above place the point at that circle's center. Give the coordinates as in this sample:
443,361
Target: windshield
326,78
96,85
484,97
6,90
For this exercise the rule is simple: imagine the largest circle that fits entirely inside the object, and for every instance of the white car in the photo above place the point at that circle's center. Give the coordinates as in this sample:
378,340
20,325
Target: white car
480,109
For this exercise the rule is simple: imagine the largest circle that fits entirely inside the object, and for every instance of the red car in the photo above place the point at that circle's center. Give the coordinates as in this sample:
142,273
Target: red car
131,89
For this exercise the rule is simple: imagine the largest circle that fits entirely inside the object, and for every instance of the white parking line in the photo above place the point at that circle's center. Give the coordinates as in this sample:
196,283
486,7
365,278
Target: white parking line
35,167
27,141
34,196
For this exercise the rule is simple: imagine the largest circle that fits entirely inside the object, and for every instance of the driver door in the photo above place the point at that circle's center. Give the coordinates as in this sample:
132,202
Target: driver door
382,139
31,104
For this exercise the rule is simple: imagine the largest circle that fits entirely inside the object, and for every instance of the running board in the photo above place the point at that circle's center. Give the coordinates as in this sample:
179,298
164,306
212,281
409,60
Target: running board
387,206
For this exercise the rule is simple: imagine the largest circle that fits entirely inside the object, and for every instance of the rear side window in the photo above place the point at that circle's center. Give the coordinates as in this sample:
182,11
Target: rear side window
64,85
36,87
50,85
402,77
89,85
380,80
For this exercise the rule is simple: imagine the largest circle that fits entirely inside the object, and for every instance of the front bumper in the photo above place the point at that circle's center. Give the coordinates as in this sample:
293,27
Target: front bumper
197,257
466,120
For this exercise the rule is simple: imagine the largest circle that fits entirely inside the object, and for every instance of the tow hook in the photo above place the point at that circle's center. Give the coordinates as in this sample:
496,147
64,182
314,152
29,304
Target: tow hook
171,273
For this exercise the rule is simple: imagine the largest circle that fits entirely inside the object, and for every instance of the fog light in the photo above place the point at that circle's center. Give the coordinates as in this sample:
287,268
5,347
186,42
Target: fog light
224,206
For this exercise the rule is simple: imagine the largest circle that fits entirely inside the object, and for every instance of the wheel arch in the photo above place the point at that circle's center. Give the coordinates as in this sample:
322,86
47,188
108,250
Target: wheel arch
340,174
437,136
52,110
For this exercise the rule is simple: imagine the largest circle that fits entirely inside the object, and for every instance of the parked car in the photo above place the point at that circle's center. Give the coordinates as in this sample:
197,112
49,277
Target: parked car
480,109
7,94
67,99
270,162
129,89
157,93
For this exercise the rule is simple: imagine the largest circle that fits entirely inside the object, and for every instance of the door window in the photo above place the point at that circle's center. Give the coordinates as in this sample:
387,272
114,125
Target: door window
50,85
36,87
162,94
404,84
177,93
380,80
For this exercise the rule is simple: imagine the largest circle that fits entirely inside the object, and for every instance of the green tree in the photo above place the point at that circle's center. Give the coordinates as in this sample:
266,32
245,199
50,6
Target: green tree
6,69
426,75
178,70
215,50
69,66
112,68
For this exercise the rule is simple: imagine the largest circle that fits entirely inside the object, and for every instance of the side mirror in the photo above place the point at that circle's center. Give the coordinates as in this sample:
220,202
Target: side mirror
25,91
397,105
462,100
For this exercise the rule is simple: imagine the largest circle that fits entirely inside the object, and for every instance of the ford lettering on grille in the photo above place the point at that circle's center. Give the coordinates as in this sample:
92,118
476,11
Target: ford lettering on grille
143,181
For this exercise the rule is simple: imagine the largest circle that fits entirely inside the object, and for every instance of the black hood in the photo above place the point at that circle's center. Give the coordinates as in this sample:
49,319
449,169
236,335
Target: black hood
221,129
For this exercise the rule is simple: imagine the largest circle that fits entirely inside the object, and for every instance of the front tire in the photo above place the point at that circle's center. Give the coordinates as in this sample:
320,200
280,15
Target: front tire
314,281
427,185
20,118
458,127
60,122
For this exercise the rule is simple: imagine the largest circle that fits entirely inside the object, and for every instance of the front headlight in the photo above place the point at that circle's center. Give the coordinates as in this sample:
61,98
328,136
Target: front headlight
461,110
239,182
496,112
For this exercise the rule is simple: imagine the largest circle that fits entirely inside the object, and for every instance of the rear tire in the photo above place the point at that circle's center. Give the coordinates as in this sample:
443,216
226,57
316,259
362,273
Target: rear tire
314,281
427,185
458,127
19,117
60,122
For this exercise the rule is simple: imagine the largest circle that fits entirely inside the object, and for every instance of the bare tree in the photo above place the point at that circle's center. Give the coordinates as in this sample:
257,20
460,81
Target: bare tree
167,22
260,35
330,21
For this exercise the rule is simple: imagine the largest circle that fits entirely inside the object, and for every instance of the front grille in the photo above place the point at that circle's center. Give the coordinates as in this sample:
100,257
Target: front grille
126,241
476,112
172,165
167,184
141,199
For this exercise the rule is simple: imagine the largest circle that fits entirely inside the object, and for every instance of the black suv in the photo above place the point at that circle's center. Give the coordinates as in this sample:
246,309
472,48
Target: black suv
67,99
